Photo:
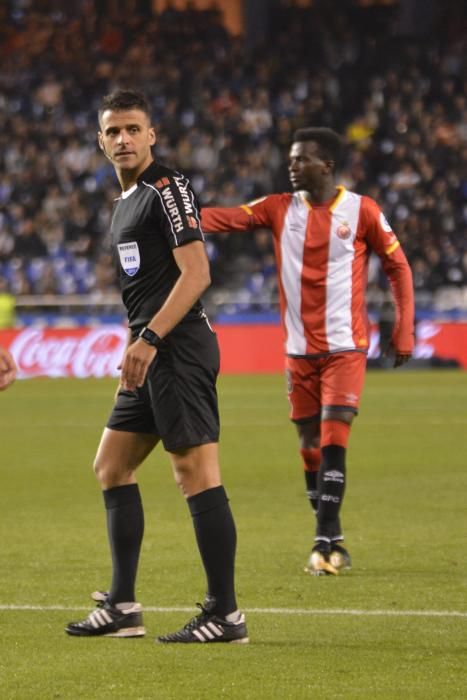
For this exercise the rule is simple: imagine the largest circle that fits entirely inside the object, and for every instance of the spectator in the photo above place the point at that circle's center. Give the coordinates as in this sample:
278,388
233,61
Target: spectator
227,113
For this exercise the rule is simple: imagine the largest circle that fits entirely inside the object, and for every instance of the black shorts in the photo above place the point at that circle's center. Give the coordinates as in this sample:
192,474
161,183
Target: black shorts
178,400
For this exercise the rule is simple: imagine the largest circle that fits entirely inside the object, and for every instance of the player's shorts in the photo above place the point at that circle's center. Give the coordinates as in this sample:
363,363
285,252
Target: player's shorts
330,380
178,400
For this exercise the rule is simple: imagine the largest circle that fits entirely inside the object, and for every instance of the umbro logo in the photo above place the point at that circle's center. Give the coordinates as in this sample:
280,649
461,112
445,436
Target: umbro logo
334,476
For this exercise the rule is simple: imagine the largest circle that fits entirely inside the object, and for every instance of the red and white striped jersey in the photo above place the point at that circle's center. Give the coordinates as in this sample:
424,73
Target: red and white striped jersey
322,256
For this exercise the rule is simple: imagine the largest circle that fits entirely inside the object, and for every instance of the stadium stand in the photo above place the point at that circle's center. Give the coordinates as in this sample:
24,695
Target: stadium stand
225,112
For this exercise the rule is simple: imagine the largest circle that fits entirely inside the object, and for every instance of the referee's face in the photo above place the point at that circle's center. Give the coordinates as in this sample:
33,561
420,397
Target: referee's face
126,138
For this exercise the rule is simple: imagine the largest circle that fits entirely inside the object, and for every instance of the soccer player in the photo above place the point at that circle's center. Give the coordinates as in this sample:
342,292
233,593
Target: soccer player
167,390
323,235
8,369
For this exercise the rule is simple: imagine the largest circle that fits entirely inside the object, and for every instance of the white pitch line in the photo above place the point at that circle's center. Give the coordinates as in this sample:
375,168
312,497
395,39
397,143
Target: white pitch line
264,611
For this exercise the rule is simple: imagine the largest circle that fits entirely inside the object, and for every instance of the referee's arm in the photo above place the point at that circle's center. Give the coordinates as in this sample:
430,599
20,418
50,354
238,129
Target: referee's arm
194,279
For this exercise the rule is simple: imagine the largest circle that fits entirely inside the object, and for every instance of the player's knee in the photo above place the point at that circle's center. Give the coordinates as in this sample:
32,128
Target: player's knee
309,435
102,472
184,470
334,432
196,471
311,459
110,475
344,415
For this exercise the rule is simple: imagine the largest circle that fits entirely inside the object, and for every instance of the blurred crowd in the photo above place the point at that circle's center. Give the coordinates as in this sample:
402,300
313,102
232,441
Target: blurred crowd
225,112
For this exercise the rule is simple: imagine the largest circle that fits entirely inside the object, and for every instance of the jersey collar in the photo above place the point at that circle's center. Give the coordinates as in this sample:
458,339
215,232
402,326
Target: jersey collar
129,192
330,204
151,172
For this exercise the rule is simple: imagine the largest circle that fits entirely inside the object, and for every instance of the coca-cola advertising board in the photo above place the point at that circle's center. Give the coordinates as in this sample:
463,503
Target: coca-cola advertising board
60,352
97,351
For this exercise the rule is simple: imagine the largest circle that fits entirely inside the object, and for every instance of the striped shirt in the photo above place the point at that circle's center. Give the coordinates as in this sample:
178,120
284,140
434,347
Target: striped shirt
322,254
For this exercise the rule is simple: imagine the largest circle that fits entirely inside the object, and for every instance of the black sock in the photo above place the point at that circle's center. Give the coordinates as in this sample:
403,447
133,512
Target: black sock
125,526
311,480
217,539
337,537
331,490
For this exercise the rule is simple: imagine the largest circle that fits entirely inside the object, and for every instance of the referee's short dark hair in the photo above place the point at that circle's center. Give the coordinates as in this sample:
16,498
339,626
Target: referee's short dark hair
121,100
330,143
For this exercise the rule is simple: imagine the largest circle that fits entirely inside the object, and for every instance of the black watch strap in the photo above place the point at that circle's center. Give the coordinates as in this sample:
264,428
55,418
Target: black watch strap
150,337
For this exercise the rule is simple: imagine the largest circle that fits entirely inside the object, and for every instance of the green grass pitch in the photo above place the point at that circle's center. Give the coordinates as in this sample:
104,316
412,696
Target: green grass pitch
393,627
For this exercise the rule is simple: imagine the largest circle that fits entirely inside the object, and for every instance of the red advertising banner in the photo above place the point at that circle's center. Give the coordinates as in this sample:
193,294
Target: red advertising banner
96,352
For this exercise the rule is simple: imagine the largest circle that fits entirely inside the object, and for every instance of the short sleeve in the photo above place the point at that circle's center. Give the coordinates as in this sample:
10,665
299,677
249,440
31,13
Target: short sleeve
177,210
379,233
259,211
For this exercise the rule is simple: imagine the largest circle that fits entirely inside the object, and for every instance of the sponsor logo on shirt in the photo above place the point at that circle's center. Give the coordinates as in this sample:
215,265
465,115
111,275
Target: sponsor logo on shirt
182,185
172,209
129,257
178,202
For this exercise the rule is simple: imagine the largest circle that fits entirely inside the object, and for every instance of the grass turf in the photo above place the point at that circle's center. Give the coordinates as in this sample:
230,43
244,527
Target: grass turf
404,520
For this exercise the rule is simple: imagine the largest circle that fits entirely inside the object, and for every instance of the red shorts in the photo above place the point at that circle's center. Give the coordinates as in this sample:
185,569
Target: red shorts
332,380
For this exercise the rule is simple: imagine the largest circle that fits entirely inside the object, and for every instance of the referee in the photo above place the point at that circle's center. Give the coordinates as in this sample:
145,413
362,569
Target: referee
167,390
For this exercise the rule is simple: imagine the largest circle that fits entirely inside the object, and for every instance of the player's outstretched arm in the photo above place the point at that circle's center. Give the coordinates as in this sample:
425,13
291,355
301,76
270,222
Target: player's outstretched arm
7,369
223,219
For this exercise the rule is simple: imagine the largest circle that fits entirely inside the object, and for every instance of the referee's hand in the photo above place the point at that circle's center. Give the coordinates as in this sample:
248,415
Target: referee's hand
135,364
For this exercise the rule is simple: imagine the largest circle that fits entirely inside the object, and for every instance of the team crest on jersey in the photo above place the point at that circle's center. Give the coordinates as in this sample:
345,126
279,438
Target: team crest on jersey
343,231
129,257
385,225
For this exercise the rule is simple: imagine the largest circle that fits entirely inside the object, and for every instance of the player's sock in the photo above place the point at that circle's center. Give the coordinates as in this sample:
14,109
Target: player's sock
217,539
311,461
331,490
125,526
338,537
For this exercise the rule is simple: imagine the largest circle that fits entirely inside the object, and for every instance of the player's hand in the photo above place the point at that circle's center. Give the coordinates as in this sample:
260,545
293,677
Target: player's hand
135,364
401,358
7,369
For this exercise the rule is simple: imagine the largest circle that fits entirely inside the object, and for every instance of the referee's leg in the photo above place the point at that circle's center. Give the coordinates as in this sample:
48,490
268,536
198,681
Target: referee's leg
118,456
197,473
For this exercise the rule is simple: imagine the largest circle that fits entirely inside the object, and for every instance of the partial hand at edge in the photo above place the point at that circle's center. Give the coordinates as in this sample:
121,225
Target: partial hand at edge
8,369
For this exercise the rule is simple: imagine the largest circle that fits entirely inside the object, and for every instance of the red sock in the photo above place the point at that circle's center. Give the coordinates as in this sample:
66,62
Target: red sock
334,432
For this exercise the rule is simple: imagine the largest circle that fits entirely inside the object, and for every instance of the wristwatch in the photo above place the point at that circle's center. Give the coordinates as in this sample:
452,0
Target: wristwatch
150,337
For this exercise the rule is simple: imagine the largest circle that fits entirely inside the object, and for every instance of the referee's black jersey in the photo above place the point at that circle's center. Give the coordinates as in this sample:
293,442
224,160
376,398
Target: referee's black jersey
154,216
